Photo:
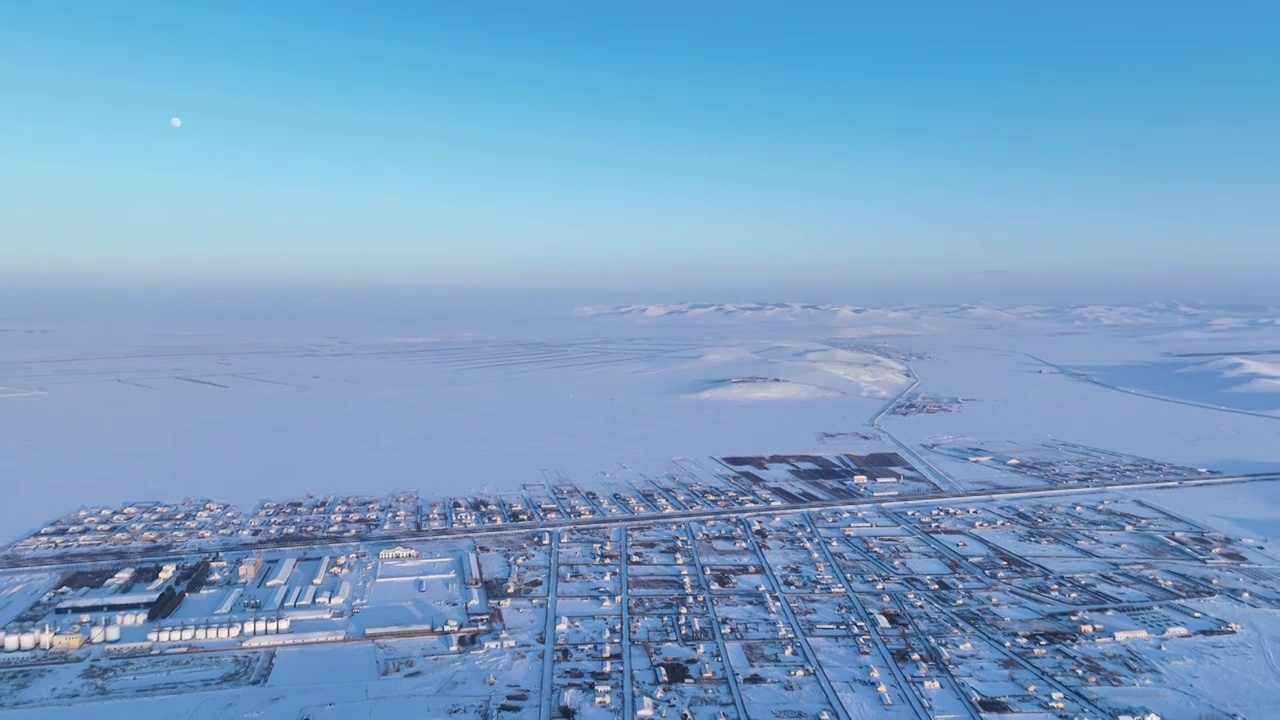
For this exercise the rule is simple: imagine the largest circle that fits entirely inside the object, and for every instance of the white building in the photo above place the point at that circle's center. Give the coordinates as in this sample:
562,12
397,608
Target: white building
398,553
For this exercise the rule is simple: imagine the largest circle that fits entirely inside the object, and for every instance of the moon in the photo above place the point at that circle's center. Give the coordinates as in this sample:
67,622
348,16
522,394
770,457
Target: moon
176,122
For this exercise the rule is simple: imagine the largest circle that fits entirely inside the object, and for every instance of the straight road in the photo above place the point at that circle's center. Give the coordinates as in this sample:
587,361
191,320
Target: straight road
99,556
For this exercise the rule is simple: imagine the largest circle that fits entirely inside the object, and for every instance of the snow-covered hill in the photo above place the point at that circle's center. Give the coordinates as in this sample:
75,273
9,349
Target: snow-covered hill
753,309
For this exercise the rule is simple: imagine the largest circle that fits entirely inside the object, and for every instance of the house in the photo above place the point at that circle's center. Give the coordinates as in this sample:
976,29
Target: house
398,553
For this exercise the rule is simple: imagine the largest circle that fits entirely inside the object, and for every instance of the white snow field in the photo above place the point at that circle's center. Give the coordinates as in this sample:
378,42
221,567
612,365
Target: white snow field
130,402
136,403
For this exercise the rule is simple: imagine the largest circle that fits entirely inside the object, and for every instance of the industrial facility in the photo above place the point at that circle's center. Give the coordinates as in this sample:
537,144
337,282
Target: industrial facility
225,602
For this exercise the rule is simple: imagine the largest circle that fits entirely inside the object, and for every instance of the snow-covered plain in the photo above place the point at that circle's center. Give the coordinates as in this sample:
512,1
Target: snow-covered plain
138,403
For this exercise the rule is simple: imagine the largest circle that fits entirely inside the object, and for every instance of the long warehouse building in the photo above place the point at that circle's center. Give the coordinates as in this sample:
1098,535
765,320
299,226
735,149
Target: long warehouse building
282,573
324,568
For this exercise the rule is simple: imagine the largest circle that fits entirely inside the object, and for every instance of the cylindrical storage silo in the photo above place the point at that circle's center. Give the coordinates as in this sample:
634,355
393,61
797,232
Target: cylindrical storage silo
235,630
11,642
118,619
224,632
248,627
166,635
260,626
273,626
285,624
139,617
127,619
152,635
27,640
202,633
113,633
97,634
188,633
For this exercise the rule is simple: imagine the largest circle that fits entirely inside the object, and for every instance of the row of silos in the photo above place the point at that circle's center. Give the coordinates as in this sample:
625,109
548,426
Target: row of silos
194,632
15,640
267,626
102,632
128,618
46,638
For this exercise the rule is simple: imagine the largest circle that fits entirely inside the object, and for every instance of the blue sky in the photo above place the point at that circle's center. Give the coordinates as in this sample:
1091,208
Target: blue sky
595,144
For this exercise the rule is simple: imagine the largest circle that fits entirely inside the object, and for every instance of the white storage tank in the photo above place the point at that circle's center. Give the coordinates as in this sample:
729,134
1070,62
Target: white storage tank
188,633
27,640
152,635
224,632
11,642
113,633
260,626
235,630
118,619
127,619
273,626
98,634
3,635
166,635
202,633
139,617
285,624
248,627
